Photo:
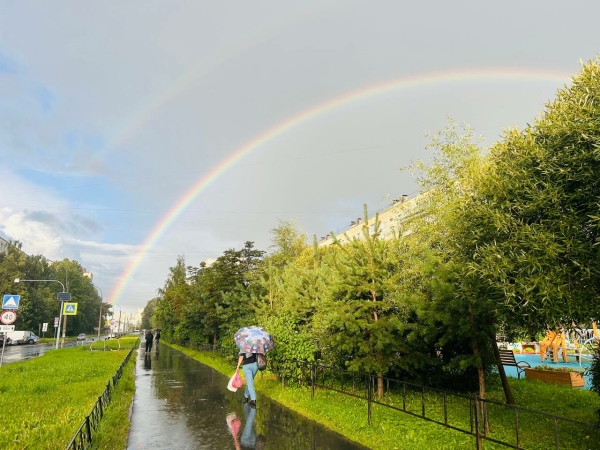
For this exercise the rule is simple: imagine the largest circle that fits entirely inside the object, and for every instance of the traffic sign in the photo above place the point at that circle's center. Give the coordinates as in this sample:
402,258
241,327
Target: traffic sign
56,321
8,317
63,296
10,301
69,309
45,326
5,328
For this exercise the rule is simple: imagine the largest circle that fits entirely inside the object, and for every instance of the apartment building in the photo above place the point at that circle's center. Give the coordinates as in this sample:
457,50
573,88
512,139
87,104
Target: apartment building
389,220
3,245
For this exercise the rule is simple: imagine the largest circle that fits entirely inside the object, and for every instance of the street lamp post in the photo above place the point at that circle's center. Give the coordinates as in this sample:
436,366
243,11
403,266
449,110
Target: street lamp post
18,280
100,318
119,324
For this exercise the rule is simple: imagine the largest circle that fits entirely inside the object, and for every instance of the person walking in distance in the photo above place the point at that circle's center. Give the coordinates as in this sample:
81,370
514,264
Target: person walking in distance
149,339
157,338
250,368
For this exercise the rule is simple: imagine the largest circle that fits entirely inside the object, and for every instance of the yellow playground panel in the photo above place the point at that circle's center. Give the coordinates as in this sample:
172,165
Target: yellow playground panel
553,340
582,341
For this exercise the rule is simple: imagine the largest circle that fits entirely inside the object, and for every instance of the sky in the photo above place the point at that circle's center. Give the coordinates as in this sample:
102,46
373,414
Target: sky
134,132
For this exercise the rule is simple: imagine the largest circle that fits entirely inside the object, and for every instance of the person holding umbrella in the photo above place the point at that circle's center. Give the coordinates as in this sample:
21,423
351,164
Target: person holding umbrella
251,340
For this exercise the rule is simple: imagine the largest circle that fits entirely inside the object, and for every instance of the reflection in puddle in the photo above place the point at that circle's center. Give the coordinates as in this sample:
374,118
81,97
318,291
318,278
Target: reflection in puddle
248,439
189,407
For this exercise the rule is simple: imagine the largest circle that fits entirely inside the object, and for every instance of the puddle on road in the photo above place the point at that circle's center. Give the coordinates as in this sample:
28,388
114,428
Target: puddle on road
183,404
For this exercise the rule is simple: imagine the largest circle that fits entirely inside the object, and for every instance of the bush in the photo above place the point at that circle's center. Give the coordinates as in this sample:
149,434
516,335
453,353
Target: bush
594,372
290,347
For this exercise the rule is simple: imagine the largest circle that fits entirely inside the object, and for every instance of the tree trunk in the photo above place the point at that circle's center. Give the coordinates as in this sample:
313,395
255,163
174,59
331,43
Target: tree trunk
480,372
380,385
507,391
271,284
376,318
481,378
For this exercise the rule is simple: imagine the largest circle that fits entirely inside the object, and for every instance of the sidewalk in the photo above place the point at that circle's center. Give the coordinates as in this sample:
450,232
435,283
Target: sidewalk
181,404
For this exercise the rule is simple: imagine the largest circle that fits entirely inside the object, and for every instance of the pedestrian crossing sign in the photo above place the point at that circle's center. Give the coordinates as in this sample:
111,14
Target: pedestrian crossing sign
69,309
11,301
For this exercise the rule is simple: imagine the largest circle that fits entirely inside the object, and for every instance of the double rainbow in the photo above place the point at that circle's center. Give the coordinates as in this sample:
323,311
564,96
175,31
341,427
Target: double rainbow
163,225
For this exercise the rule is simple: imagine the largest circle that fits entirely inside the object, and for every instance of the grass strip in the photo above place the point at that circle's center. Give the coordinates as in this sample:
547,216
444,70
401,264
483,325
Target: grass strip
48,397
114,427
393,429
348,415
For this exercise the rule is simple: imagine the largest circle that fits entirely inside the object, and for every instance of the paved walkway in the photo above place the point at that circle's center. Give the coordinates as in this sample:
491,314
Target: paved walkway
181,404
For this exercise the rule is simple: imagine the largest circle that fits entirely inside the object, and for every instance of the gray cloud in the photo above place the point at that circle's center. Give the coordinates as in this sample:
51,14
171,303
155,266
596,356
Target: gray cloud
140,102
73,225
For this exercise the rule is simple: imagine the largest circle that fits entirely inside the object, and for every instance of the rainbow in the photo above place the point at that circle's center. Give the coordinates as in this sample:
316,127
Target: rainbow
206,65
418,81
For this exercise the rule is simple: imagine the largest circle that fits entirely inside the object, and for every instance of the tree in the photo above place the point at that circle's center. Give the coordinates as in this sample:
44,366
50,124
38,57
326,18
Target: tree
204,303
521,226
298,289
367,317
173,297
539,209
148,312
456,303
287,242
38,299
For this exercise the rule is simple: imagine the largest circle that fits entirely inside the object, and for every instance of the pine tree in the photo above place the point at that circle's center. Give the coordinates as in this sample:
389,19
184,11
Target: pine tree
365,313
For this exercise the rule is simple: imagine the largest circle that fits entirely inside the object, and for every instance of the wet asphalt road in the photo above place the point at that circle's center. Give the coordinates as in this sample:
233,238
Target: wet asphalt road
181,404
14,353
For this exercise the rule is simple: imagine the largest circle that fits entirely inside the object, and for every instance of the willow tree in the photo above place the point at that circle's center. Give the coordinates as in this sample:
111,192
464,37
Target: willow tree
539,207
456,306
522,226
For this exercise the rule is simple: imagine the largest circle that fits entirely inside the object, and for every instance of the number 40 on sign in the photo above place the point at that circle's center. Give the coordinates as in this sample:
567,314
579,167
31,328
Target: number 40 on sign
8,317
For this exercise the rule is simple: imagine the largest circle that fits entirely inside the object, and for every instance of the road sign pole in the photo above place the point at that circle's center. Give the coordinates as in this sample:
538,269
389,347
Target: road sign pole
58,329
62,344
3,345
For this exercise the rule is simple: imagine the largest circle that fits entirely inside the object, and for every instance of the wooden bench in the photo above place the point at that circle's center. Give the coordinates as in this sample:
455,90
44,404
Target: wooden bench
507,357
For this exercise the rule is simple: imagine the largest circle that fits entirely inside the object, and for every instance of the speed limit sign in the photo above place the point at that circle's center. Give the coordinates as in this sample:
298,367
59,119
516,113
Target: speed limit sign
8,317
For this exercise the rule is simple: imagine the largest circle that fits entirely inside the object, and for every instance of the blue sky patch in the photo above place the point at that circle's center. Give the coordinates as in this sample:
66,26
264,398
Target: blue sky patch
7,65
46,98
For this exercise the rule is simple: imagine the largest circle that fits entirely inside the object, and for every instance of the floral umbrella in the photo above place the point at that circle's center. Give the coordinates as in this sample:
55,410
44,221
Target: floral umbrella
253,340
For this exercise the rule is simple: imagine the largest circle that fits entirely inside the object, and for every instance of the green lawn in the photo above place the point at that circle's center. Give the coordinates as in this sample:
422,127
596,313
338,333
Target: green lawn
48,397
392,429
114,428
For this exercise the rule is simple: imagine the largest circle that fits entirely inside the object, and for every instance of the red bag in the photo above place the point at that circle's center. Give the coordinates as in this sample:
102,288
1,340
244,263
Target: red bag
234,424
237,381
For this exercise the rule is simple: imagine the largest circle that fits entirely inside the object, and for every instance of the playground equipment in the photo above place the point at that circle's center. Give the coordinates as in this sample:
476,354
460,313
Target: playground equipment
586,341
581,340
553,340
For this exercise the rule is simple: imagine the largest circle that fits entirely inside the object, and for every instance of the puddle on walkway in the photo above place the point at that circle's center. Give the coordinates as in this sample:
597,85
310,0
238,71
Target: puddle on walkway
182,404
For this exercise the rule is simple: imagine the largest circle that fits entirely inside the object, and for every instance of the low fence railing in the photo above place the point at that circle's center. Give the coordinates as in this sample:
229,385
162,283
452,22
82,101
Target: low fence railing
486,420
510,426
82,438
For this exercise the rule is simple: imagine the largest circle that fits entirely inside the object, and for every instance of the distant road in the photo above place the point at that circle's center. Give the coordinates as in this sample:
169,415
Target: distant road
14,353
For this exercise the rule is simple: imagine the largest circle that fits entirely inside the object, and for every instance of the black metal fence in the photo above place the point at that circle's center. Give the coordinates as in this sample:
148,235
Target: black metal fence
82,438
511,426
206,348
486,420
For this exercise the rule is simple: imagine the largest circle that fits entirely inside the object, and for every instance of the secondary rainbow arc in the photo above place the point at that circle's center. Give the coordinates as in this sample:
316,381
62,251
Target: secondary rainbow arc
167,220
